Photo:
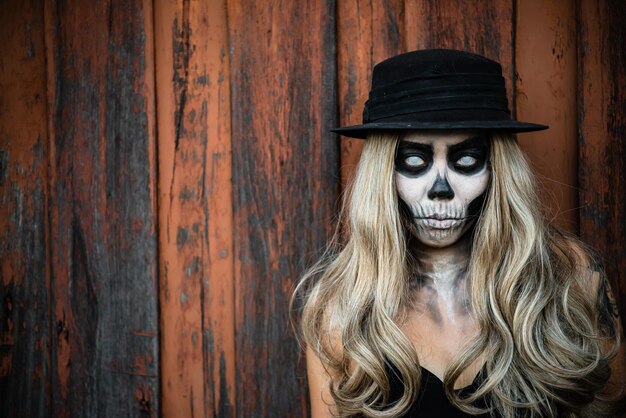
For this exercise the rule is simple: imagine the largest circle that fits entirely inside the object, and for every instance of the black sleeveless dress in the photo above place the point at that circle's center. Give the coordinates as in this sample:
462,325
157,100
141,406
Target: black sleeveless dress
432,401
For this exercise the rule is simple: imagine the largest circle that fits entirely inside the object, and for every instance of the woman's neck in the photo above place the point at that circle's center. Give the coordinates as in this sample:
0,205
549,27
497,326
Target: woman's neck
444,264
442,280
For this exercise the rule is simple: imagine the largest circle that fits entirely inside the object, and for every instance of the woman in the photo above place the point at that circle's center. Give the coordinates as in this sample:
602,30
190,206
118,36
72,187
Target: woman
446,293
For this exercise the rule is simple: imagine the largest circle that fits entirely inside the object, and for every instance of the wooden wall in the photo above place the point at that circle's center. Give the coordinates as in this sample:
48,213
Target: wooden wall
167,172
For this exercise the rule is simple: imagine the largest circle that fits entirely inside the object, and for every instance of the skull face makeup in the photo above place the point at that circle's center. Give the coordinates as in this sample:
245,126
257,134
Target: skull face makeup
441,177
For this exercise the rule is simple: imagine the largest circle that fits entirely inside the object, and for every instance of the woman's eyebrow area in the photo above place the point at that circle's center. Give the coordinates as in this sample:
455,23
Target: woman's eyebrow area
474,142
415,145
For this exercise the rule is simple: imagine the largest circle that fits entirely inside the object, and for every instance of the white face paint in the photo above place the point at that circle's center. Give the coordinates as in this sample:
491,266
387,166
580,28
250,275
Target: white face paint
438,175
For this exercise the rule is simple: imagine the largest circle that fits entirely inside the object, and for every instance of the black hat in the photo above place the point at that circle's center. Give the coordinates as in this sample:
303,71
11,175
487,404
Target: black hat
437,89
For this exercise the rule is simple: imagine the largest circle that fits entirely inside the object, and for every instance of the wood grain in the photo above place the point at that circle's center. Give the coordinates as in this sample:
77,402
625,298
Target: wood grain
367,33
285,184
24,293
602,129
545,83
195,209
102,209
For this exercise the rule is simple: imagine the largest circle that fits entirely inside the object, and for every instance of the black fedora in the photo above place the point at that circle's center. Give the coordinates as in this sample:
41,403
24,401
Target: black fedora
437,89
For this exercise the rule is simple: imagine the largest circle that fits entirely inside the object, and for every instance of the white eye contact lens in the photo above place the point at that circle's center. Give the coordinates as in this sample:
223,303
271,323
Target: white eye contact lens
466,161
414,161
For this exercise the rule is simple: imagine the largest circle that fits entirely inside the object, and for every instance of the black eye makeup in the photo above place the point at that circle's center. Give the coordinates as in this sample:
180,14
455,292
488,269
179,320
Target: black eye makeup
469,156
413,159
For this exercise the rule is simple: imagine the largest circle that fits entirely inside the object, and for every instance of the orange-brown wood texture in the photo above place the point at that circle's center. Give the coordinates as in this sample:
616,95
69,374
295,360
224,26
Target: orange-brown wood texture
102,209
601,114
367,32
167,173
195,209
25,327
545,91
285,174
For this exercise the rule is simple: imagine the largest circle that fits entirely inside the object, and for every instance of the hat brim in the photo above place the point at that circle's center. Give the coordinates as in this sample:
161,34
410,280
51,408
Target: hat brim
361,131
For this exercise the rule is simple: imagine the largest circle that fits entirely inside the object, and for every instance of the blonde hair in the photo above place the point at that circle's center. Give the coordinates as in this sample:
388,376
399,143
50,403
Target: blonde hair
541,334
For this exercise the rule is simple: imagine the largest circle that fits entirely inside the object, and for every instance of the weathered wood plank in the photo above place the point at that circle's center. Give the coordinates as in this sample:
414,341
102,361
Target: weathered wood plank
367,33
285,175
602,129
24,295
195,209
545,64
103,209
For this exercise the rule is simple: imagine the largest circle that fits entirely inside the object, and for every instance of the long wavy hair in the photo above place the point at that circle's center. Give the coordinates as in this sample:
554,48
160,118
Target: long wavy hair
545,342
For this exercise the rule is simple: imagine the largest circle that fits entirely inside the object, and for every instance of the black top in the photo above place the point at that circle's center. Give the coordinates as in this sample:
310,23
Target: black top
432,401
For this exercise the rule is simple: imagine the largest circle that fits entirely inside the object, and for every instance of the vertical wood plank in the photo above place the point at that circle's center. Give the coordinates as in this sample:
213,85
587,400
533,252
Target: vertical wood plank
285,185
195,209
602,129
545,62
367,33
24,295
103,209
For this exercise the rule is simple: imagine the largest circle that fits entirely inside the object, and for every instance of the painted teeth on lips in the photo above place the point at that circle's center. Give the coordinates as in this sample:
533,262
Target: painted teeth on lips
441,217
439,222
